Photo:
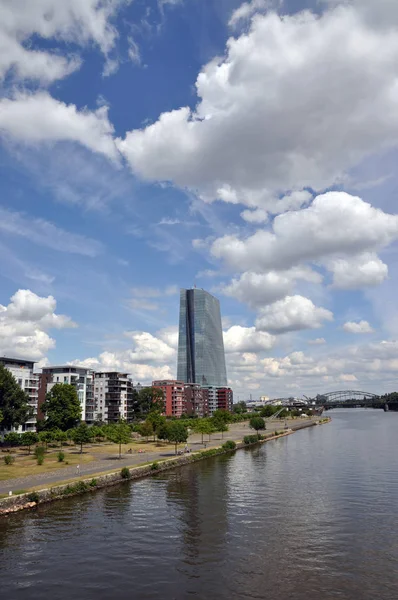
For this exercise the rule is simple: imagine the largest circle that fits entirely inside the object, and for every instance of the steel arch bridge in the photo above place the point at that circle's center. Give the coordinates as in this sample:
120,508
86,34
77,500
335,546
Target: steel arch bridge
346,396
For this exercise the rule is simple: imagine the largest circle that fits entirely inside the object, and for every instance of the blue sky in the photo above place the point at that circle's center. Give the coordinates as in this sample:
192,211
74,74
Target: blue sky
247,148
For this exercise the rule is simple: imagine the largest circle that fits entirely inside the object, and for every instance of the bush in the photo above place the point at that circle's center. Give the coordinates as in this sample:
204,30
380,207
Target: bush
61,456
33,497
77,488
40,460
125,473
39,452
8,460
93,483
229,445
250,439
154,466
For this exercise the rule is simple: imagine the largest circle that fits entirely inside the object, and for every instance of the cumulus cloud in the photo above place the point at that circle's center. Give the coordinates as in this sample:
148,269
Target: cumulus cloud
245,140
247,339
39,118
24,324
293,313
359,327
365,270
69,21
335,224
259,289
259,215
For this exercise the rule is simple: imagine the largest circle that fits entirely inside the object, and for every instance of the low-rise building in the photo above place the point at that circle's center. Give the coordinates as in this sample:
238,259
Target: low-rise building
114,397
28,381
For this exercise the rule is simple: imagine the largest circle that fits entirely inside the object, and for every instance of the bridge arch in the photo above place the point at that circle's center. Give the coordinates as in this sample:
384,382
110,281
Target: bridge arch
345,396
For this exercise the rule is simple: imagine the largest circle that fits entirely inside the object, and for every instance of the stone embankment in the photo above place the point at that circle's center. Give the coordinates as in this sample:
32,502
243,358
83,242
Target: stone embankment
13,504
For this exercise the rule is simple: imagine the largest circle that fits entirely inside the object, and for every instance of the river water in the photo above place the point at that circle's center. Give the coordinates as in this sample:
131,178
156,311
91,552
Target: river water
311,516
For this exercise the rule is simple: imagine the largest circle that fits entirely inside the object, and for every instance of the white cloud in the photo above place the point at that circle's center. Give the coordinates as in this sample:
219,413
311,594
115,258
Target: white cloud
365,270
247,339
24,324
335,73
257,289
38,118
336,224
347,377
47,234
293,313
317,342
134,51
247,10
69,21
360,327
259,215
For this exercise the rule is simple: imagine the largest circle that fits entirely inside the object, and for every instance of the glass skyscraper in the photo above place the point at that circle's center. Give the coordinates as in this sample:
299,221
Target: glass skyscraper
201,357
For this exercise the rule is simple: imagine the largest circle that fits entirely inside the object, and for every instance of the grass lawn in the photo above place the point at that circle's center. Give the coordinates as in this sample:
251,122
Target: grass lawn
27,465
135,445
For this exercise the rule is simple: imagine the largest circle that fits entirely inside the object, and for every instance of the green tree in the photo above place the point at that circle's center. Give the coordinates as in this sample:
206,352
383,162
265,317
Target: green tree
222,415
12,439
98,433
82,435
268,411
145,429
203,426
257,423
62,407
60,436
119,433
239,407
150,399
157,420
29,438
46,437
162,432
14,403
177,433
220,425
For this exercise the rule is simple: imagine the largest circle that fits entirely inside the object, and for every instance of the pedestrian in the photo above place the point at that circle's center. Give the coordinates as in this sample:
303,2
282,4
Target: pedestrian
77,469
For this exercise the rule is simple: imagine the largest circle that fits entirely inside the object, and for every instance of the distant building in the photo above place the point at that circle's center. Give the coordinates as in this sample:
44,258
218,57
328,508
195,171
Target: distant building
114,397
28,381
81,378
201,357
174,396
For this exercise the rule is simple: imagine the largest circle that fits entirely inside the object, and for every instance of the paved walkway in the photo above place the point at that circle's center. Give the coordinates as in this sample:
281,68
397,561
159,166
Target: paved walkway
108,463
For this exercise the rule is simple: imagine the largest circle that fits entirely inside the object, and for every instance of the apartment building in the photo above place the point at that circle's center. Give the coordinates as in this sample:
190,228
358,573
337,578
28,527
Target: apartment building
114,397
81,378
219,398
28,381
174,396
196,399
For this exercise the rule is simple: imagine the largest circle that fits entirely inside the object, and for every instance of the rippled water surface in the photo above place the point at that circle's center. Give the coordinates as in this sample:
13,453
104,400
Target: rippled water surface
312,516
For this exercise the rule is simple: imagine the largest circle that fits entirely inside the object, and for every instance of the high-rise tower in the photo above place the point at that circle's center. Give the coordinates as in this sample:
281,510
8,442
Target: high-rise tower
201,357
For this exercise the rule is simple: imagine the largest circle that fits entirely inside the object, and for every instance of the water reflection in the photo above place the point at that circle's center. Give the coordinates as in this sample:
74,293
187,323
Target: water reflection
310,516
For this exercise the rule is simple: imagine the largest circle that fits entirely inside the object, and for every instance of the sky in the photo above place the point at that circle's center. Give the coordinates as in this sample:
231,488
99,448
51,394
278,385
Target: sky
249,149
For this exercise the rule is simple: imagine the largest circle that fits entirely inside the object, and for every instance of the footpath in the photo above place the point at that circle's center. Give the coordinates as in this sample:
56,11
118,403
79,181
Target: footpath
106,464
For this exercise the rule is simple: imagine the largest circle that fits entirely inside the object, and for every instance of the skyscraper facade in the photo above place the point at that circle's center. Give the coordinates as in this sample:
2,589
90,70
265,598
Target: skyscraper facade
201,357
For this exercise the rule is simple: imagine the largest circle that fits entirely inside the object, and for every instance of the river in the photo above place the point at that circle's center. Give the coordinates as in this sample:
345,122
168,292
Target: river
312,516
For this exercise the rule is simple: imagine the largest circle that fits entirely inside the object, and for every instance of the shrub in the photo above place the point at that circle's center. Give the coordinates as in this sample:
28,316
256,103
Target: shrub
93,483
154,466
8,459
229,445
250,439
39,452
40,460
61,456
125,473
33,497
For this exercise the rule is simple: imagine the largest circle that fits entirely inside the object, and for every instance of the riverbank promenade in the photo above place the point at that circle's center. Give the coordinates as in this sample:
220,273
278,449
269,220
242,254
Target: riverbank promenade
108,462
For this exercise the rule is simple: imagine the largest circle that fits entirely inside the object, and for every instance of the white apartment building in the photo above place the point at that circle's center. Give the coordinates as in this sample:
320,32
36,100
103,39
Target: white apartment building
82,379
113,396
28,381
